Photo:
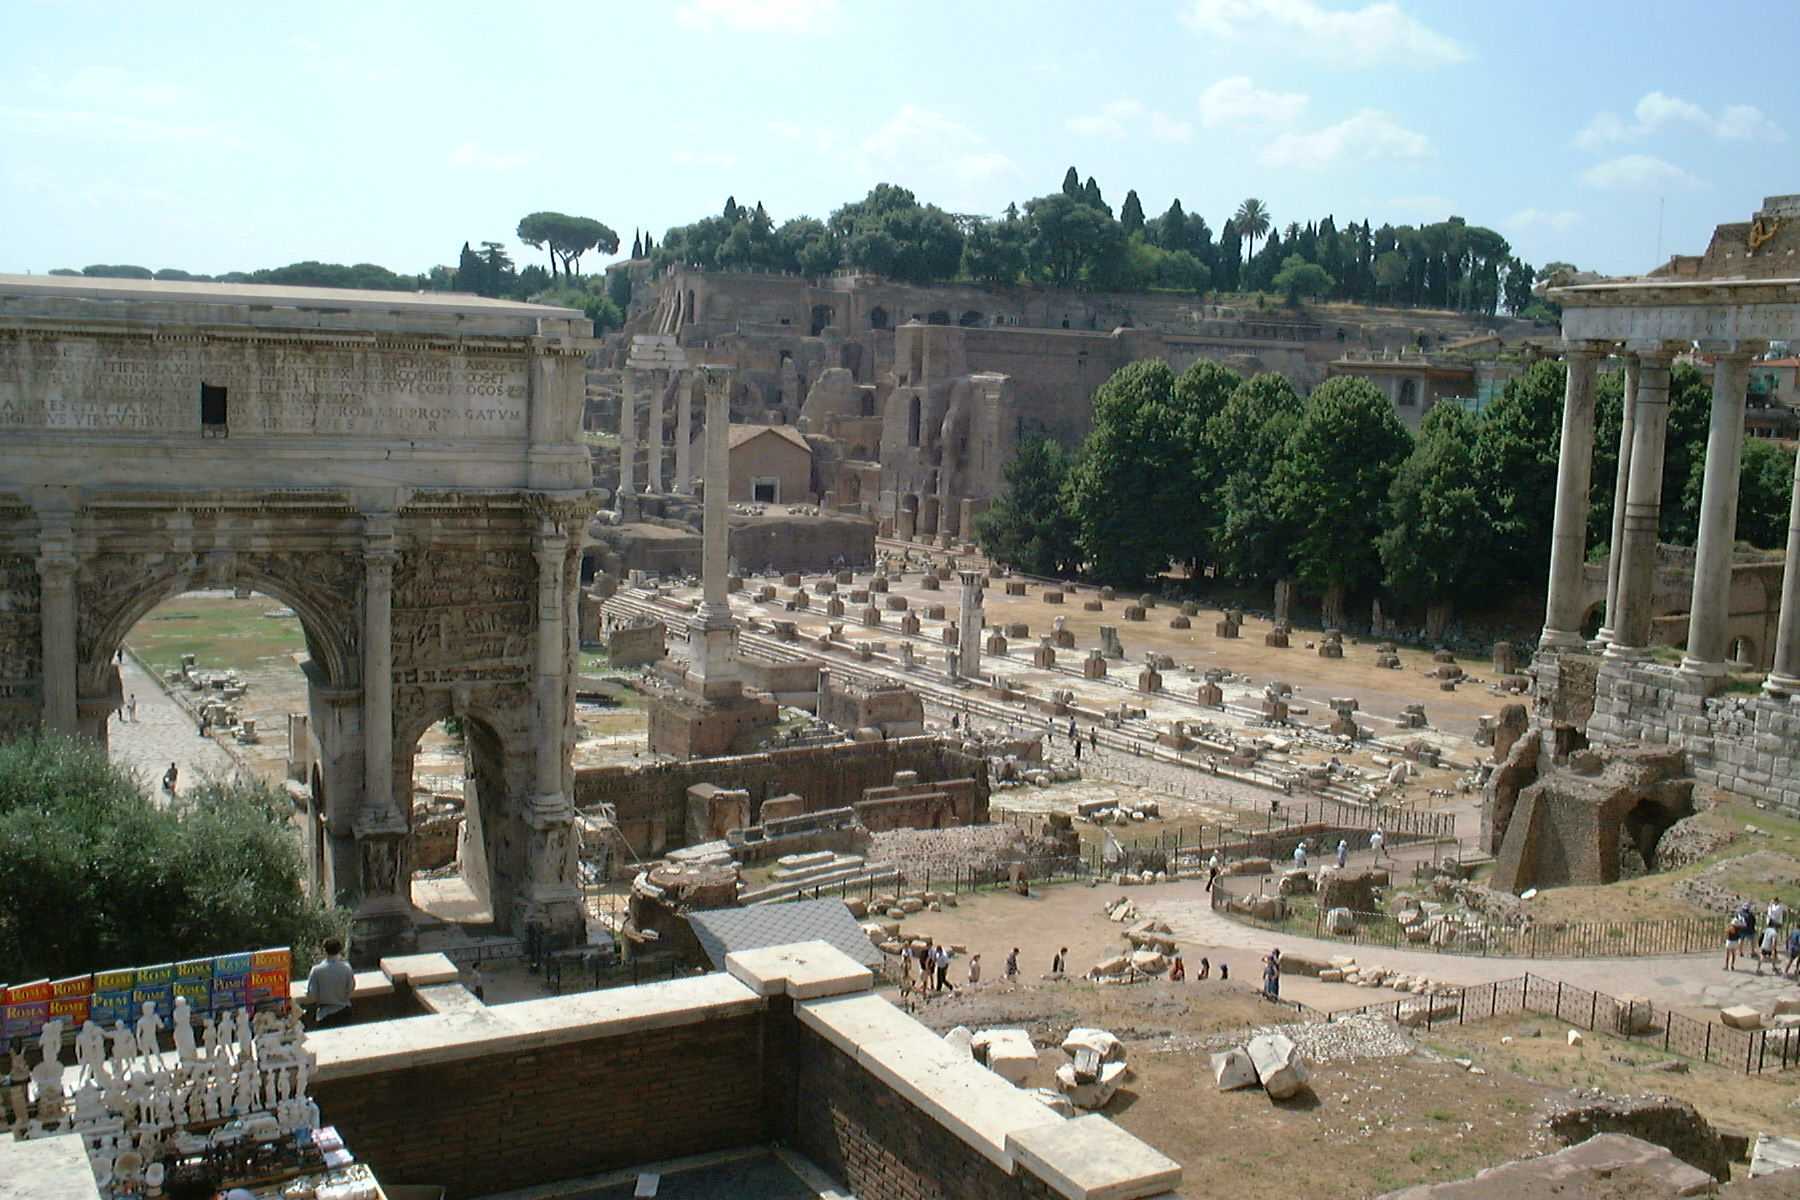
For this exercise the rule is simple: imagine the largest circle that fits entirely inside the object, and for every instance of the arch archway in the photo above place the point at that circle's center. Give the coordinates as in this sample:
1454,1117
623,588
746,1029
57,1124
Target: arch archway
912,421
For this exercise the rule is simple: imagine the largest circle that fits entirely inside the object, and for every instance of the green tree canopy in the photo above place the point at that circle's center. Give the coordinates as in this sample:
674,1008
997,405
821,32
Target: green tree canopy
1331,482
1252,219
567,238
1515,456
1434,548
1028,526
1765,486
1299,278
93,874
1131,213
1241,444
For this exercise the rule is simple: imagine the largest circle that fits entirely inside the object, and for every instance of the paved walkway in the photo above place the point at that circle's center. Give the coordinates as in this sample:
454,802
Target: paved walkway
163,733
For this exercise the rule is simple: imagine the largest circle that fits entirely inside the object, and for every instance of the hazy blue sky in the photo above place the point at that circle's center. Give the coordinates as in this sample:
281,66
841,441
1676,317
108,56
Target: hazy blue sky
234,136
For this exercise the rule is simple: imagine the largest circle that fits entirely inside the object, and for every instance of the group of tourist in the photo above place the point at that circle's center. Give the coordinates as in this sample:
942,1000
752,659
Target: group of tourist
1765,948
927,969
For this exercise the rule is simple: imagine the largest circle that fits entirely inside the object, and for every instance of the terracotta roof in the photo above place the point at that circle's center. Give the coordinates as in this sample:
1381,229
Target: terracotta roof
742,433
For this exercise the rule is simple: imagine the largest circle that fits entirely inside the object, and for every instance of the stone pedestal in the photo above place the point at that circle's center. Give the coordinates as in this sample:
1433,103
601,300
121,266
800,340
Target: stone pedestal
1044,655
1094,666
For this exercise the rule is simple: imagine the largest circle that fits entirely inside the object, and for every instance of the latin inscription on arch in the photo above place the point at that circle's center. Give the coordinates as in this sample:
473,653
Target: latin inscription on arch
126,386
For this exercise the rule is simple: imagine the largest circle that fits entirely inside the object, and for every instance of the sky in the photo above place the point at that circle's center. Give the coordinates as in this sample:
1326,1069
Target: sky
234,136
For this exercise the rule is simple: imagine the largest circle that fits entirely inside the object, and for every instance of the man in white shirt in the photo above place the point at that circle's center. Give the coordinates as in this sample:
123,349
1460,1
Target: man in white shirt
329,985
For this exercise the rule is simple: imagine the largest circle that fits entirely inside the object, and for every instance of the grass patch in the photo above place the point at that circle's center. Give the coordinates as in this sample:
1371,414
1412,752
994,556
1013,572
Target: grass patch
221,631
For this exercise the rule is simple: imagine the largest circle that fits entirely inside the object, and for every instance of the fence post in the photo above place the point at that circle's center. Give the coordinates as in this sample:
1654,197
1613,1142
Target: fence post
1593,1011
1668,1027
1559,1000
1706,1051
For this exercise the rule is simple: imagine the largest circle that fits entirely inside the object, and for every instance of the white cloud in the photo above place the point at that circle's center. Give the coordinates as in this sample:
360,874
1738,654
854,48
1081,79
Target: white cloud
1428,204
104,103
917,143
700,158
473,157
1120,118
1658,111
1559,220
758,16
1368,135
1376,34
1237,101
1638,173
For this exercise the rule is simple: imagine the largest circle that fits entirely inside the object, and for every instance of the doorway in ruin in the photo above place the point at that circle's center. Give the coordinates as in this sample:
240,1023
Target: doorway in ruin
466,860
878,317
821,318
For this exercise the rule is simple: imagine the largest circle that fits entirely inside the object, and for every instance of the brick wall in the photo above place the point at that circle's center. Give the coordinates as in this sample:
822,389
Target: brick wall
879,1144
824,776
515,1119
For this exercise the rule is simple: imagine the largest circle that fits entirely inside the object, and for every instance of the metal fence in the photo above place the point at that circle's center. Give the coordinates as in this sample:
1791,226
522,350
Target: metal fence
1541,939
1752,1051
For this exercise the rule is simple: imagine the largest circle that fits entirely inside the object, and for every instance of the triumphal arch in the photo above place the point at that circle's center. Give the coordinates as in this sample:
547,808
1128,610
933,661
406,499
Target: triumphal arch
405,471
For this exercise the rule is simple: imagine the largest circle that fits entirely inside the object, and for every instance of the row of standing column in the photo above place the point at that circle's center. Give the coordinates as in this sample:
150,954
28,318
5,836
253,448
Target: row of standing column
682,484
1637,510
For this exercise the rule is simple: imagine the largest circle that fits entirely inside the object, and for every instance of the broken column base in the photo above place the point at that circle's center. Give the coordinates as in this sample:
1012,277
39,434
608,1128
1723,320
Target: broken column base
687,726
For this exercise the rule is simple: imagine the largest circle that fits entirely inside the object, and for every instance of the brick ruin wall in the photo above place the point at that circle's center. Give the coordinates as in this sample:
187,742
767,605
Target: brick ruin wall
823,776
881,1145
506,1119
513,1120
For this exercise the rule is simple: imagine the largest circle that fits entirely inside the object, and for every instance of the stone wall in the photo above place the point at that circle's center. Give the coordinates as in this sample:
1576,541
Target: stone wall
651,801
635,645
937,805
897,711
1742,744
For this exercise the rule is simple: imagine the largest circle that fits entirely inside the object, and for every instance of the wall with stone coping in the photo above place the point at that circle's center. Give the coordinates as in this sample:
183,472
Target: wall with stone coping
1741,744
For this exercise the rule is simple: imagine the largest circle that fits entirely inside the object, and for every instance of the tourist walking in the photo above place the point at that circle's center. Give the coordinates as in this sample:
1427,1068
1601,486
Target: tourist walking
1012,964
1793,953
1766,952
1300,855
1272,974
1077,750
944,983
975,968
1074,733
1212,873
1059,962
1377,844
169,778
1343,853
131,709
1204,971
1776,914
1177,972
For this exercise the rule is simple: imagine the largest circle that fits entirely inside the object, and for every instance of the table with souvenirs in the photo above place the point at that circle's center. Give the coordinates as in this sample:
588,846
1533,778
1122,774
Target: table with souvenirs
226,1107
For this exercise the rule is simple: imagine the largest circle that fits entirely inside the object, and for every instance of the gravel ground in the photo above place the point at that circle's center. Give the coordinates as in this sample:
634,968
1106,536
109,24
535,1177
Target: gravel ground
944,850
1365,1035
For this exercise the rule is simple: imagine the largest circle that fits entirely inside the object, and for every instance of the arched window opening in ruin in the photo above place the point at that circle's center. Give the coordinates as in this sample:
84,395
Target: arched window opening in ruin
969,319
821,318
1409,394
1743,652
938,317
692,315
878,317
912,421
868,404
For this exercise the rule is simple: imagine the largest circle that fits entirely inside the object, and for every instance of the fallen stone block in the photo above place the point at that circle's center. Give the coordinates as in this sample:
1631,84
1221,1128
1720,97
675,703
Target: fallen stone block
1278,1064
1741,1016
961,1040
1053,1100
1008,1053
1108,1047
1232,1069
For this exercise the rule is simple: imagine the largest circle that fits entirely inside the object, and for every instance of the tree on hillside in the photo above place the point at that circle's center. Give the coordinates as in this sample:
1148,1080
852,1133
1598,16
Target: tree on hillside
1252,221
1434,548
1231,257
1330,484
1069,238
994,251
93,874
1171,231
1298,278
1201,393
1090,194
567,237
1071,184
1027,526
637,245
1131,214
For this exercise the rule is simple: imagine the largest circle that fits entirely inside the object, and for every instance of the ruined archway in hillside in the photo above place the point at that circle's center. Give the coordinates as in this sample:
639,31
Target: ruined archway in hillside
969,319
821,318
912,421
878,317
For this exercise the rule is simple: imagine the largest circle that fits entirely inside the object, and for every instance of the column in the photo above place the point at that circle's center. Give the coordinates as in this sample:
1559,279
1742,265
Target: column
626,502
550,547
712,639
1621,490
1643,509
378,670
1568,538
1710,614
1784,676
57,618
684,435
968,626
653,434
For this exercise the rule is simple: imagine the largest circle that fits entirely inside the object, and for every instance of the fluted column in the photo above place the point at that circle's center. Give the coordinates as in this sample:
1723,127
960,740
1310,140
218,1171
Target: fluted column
628,389
1784,676
684,435
1710,613
1643,509
57,618
712,640
1568,539
378,807
1621,491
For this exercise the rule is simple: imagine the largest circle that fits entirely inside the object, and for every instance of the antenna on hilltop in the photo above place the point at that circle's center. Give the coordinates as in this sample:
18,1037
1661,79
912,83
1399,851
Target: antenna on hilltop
1658,260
